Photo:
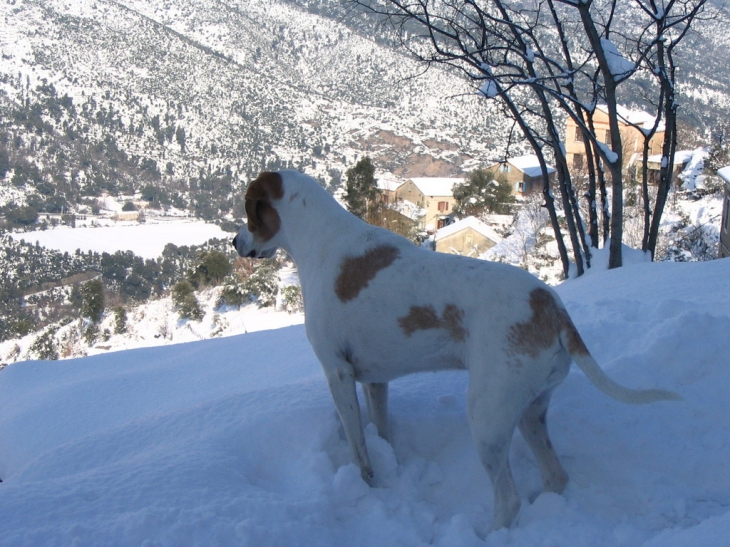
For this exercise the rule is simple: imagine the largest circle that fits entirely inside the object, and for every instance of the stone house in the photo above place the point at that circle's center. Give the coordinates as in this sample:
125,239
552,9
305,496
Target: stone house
466,237
631,122
434,195
523,173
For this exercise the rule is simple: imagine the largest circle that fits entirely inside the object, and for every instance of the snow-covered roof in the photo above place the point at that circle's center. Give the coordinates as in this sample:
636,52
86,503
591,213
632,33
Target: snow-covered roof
529,165
408,209
468,222
388,181
640,118
680,157
724,174
436,186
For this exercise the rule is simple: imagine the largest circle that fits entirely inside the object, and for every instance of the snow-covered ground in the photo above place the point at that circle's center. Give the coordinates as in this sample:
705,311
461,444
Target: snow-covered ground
234,441
146,240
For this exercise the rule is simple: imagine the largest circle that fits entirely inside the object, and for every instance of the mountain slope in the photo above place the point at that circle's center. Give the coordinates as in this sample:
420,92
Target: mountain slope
251,83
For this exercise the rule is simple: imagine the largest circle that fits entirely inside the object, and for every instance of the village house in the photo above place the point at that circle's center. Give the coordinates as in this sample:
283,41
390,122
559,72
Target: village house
724,251
654,163
631,124
388,183
466,237
435,195
523,173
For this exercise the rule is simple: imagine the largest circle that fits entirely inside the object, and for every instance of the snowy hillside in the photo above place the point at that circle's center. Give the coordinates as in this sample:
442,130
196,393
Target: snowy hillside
238,85
234,441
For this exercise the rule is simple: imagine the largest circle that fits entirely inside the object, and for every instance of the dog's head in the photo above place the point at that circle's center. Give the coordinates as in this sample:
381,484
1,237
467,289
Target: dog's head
258,238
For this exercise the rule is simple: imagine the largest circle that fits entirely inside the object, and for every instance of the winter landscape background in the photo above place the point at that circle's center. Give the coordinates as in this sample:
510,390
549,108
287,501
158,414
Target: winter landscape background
129,130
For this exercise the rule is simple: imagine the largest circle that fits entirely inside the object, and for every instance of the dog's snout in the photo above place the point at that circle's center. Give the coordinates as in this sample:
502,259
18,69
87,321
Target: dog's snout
235,239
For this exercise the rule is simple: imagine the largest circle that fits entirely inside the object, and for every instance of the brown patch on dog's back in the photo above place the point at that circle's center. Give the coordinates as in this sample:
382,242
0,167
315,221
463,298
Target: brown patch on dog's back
425,318
357,271
263,220
542,330
544,327
419,318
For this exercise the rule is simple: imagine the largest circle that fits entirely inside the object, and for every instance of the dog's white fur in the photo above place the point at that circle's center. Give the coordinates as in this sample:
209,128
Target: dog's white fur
377,307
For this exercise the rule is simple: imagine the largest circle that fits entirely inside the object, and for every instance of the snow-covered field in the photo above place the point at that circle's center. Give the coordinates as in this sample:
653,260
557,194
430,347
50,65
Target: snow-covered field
234,441
146,240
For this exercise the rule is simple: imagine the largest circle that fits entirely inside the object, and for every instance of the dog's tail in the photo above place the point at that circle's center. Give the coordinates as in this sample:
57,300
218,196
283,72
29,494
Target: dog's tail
573,343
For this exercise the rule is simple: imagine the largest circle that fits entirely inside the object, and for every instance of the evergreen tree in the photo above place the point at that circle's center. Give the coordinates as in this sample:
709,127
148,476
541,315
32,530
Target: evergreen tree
211,268
361,190
481,194
92,305
120,320
183,296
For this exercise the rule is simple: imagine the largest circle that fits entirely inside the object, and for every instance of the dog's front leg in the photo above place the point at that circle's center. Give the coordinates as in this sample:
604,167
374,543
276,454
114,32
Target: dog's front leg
377,399
341,379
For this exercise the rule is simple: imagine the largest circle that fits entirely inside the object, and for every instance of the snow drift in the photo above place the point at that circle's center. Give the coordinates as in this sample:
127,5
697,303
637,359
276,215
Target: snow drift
235,442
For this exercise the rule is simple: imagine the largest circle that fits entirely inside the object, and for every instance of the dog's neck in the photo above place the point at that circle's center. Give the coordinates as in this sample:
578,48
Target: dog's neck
314,227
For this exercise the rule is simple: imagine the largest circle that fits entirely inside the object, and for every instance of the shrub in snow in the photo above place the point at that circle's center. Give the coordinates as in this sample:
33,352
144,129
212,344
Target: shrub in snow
219,325
291,299
91,334
263,284
183,296
120,320
232,293
45,347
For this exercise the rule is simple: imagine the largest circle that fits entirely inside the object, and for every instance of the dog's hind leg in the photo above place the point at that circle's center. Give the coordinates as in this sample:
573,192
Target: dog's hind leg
377,400
493,410
533,426
341,380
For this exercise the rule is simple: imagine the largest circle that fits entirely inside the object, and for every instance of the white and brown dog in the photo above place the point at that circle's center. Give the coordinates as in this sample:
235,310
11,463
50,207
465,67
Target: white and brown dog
377,307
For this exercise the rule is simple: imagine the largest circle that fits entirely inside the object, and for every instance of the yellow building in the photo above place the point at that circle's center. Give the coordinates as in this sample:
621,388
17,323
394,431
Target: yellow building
466,237
523,173
435,195
631,124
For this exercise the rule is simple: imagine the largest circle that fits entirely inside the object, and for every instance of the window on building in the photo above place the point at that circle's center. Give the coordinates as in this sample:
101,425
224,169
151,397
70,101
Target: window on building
443,206
521,187
577,161
505,168
578,135
607,136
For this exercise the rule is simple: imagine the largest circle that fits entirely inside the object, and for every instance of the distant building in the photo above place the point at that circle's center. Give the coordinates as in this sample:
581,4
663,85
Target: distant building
126,215
724,251
523,173
388,184
435,195
631,123
466,237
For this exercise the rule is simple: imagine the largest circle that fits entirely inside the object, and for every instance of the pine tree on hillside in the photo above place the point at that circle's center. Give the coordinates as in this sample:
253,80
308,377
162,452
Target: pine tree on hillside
92,306
361,190
183,296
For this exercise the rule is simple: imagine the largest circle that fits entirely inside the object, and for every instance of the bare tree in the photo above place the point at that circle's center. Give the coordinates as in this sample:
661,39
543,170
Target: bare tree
547,59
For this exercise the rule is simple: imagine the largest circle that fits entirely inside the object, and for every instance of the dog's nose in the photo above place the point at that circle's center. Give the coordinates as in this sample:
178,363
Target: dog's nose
234,242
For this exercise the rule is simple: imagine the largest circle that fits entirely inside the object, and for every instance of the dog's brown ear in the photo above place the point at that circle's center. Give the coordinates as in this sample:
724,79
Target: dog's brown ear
263,219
